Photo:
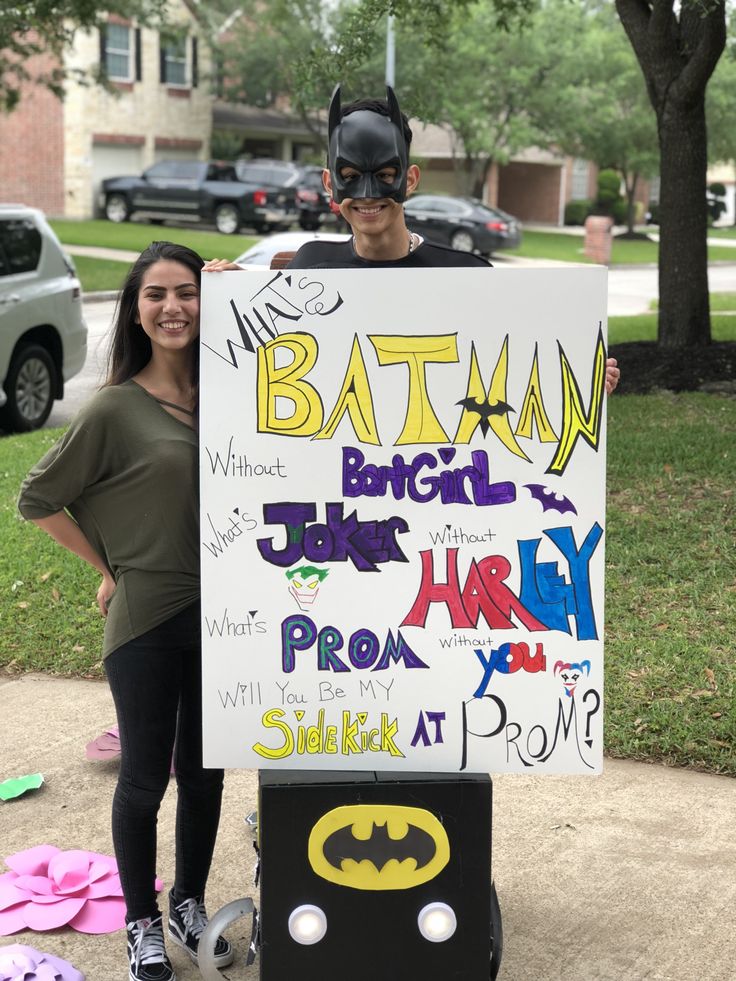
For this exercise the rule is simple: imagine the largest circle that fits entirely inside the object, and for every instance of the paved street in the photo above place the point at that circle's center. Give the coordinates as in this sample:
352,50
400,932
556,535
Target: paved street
82,386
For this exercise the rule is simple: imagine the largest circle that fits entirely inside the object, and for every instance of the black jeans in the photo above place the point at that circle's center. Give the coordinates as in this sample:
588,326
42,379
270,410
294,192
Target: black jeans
156,683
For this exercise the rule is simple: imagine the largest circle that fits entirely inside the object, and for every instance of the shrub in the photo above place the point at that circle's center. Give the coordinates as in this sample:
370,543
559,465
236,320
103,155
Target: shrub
576,212
609,189
619,212
715,203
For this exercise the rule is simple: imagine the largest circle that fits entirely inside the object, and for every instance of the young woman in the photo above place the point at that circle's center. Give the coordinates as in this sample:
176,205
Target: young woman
119,490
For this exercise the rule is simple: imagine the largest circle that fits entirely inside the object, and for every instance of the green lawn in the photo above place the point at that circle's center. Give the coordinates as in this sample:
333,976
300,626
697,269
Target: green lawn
569,248
644,328
100,274
105,274
136,236
671,588
722,232
108,274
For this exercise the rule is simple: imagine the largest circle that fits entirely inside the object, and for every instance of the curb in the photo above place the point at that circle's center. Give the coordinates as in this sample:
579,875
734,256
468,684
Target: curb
101,296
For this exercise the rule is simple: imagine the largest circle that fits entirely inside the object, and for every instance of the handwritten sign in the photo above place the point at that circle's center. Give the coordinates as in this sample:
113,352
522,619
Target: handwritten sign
403,493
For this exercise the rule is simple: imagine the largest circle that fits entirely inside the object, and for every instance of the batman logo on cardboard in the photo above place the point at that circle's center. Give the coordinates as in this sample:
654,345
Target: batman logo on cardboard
378,846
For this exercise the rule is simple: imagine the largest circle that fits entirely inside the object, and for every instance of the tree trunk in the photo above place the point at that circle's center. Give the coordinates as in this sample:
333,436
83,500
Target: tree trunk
684,312
630,186
678,46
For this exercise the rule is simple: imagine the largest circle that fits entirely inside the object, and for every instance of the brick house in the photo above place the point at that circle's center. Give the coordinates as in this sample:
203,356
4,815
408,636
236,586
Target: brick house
53,154
534,186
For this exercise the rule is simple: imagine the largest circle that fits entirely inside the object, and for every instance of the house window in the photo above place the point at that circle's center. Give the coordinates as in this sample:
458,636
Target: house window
118,52
580,180
174,62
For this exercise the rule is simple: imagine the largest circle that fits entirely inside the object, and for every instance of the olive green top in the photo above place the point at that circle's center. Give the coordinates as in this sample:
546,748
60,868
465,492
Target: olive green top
127,472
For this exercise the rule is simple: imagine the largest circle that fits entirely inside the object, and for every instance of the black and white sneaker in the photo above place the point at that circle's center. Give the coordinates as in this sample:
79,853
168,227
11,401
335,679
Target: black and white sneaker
147,952
187,922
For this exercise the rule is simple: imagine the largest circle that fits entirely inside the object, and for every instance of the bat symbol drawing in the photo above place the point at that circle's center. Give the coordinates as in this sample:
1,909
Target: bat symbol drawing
549,500
379,848
485,410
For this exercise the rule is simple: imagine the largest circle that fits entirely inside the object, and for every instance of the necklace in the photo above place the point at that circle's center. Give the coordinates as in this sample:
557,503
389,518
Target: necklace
412,244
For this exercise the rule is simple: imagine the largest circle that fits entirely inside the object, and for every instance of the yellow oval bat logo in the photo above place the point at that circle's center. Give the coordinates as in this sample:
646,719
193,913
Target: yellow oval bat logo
378,846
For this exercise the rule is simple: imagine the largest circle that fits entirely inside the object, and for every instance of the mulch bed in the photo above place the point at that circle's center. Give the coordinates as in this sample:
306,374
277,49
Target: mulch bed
645,367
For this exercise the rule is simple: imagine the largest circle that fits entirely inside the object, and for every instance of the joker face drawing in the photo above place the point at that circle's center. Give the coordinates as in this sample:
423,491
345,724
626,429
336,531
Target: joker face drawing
304,583
570,674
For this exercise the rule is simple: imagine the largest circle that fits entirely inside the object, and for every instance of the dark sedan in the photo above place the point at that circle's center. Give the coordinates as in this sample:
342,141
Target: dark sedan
465,224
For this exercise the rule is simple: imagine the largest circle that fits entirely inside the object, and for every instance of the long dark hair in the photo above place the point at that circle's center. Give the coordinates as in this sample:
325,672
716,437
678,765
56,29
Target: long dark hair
130,347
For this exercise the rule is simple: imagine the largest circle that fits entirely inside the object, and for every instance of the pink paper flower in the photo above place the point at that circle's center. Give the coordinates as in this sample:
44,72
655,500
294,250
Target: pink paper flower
106,746
19,963
48,888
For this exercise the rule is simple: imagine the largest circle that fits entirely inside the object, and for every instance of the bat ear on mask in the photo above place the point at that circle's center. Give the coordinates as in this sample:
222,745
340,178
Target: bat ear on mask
393,108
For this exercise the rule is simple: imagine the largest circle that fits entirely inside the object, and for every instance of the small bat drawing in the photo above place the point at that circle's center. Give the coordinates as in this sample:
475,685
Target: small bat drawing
485,410
549,500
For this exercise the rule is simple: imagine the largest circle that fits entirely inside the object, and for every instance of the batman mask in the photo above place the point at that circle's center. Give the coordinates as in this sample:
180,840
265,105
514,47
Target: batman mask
367,141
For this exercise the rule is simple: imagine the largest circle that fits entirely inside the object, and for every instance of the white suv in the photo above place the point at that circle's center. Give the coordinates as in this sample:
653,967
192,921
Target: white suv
43,336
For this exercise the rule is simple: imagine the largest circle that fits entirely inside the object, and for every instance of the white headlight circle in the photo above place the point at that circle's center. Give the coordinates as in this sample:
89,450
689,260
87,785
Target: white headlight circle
307,924
437,922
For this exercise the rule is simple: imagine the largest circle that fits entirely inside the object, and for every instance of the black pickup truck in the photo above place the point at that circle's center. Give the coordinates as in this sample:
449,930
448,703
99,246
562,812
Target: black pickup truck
197,190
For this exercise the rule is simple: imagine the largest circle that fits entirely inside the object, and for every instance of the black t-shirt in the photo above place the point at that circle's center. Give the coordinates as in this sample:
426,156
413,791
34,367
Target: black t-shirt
342,255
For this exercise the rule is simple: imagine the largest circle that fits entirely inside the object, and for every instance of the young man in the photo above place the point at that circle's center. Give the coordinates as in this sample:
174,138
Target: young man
369,177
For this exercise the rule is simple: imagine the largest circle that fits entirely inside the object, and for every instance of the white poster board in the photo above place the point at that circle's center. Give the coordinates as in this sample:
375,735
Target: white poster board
403,503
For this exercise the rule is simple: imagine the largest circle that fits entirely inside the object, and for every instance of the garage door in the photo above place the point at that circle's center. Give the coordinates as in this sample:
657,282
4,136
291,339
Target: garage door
114,161
171,153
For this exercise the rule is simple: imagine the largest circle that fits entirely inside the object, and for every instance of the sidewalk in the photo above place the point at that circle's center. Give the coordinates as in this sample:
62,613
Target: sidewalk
650,230
625,877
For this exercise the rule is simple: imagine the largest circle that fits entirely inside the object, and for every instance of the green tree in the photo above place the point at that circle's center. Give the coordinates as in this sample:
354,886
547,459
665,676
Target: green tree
721,106
481,84
678,47
260,50
598,108
677,44
36,27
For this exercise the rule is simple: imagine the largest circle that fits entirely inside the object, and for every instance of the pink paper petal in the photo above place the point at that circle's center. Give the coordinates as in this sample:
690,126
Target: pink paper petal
10,894
32,861
69,870
105,747
34,883
158,884
49,916
46,900
108,741
11,921
105,887
73,871
101,866
100,916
